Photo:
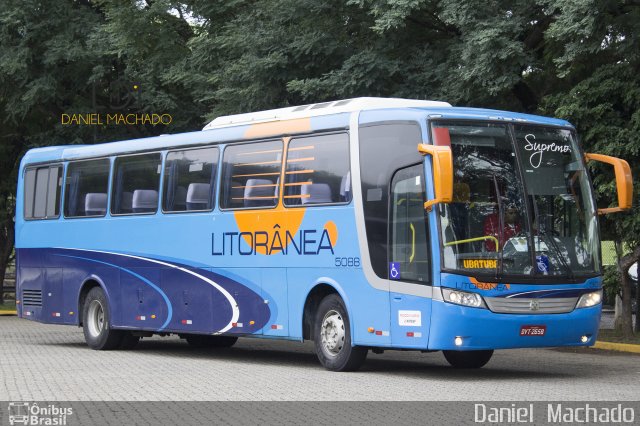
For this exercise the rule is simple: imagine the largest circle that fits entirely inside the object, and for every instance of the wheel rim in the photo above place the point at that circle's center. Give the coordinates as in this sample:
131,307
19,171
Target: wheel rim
332,333
95,318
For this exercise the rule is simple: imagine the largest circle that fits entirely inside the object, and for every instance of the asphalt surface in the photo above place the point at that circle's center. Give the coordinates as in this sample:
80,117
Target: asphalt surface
52,363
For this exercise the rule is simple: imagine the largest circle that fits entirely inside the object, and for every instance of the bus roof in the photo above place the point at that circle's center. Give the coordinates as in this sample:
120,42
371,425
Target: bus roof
233,127
323,108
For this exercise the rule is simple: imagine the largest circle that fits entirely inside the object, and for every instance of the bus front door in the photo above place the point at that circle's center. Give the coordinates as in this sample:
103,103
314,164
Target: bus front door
409,259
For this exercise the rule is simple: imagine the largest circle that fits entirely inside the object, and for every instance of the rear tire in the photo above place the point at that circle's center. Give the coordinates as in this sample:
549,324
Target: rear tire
468,359
332,335
96,322
208,341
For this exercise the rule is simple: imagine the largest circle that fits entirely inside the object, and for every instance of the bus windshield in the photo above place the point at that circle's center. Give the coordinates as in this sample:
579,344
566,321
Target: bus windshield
522,203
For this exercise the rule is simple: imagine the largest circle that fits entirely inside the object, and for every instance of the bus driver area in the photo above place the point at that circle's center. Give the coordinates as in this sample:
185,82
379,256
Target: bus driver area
361,224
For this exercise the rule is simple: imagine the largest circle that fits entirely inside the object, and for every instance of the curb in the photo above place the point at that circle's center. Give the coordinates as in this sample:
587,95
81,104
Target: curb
8,313
621,347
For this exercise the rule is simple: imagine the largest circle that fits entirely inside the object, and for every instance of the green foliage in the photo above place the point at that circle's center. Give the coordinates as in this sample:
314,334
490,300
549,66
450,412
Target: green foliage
74,57
617,337
8,306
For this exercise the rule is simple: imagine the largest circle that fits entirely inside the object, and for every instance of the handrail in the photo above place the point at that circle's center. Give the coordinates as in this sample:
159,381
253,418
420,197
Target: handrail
470,240
413,243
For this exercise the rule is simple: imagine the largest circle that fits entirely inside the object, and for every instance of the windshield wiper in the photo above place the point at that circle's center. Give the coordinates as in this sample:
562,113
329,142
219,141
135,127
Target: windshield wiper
500,226
542,230
554,244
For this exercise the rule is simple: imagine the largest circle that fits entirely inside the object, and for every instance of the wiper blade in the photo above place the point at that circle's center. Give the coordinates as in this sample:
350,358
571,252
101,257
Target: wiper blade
542,230
500,269
554,244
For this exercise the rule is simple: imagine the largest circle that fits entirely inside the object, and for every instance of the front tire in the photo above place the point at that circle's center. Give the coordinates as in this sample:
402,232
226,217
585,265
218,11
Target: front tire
468,359
96,323
332,335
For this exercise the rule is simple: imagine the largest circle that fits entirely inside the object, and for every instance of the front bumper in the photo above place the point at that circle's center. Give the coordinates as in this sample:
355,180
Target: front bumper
483,329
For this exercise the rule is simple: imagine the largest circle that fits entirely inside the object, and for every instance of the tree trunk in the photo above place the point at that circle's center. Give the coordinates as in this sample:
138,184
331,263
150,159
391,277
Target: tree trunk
617,316
637,305
626,327
624,263
3,271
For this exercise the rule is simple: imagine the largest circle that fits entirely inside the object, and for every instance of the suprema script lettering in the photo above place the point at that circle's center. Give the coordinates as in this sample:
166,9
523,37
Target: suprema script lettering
538,148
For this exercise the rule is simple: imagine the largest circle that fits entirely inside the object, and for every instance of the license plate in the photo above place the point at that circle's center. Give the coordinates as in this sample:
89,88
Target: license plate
533,330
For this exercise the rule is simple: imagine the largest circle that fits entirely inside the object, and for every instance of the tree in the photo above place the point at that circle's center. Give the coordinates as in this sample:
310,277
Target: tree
601,60
38,40
70,57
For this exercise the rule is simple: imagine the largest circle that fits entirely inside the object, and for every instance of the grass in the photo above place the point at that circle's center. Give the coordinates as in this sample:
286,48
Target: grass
609,256
8,305
616,337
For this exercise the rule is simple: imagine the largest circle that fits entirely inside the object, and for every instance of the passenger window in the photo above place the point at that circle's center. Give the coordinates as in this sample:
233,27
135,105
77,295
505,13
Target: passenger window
42,185
189,180
86,187
251,175
409,232
317,170
29,192
136,182
43,188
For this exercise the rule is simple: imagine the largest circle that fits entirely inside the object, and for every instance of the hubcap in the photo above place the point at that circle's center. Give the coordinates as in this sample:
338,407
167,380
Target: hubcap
95,318
332,333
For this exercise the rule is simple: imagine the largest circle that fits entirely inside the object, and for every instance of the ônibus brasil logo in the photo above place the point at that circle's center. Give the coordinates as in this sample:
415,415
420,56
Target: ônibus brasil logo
25,413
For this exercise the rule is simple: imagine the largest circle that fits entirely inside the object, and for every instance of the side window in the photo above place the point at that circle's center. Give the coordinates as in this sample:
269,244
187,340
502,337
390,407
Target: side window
40,200
317,170
86,187
29,192
136,180
409,232
42,191
189,180
251,175
384,148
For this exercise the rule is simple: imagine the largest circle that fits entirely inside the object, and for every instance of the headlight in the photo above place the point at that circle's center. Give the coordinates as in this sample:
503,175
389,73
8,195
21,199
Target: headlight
463,298
590,299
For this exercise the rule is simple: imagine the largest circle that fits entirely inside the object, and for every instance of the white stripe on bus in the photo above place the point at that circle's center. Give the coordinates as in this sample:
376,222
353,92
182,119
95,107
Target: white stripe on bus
225,293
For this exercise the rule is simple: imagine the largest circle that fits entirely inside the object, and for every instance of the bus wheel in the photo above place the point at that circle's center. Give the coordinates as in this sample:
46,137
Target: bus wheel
97,331
129,341
332,337
468,359
207,341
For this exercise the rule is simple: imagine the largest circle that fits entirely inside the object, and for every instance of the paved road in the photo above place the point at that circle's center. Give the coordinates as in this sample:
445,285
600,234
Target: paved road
47,362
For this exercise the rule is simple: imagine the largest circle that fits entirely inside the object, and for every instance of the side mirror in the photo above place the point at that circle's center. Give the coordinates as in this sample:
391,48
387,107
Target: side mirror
624,182
442,173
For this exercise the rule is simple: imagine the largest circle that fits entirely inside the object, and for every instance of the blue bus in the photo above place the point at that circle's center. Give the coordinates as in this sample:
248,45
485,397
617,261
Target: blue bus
361,224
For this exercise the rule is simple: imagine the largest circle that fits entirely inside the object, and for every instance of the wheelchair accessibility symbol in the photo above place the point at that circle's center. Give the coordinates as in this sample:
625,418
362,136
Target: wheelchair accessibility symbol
394,270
